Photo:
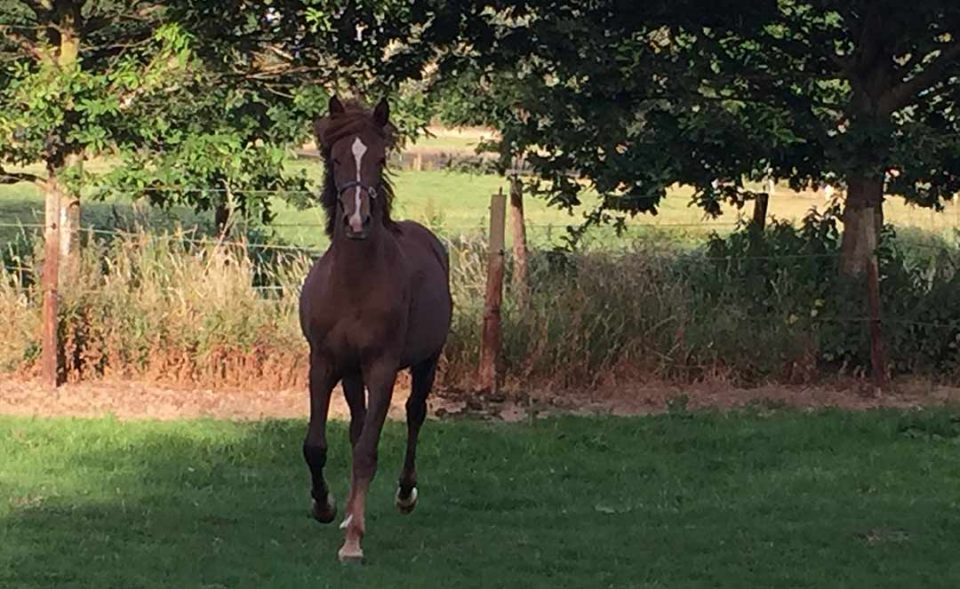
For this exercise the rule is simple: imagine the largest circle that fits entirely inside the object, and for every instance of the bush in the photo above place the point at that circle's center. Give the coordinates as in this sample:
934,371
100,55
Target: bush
787,280
746,307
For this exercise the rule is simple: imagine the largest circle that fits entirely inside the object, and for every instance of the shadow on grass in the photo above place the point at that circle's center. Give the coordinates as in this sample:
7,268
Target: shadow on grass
693,500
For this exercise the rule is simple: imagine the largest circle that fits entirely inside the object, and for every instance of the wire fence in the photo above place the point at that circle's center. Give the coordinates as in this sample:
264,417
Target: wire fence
195,237
451,233
272,298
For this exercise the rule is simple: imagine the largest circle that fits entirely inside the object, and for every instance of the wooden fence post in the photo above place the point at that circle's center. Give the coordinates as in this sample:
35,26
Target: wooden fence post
878,352
519,234
760,211
50,346
492,338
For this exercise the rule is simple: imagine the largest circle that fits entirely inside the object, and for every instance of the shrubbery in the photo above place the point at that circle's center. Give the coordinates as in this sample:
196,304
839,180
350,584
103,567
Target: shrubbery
746,307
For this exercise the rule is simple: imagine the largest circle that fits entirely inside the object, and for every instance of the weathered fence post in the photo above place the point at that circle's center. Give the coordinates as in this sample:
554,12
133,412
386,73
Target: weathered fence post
50,346
760,211
878,353
519,234
490,343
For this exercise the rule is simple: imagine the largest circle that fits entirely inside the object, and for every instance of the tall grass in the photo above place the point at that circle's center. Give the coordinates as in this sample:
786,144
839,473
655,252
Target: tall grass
745,308
165,308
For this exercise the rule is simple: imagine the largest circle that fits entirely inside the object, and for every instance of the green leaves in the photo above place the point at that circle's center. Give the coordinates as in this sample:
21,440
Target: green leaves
645,97
195,99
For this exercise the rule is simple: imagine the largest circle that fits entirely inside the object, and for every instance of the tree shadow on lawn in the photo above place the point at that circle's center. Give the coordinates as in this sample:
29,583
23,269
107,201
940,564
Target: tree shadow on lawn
659,501
227,507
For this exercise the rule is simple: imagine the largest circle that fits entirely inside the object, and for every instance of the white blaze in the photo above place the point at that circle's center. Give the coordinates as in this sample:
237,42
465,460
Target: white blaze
358,149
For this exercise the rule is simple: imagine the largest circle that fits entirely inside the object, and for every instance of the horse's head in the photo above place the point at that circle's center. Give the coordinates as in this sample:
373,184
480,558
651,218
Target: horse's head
354,142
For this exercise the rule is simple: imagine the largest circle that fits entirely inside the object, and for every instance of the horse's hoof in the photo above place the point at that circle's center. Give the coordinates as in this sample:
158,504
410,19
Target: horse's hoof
350,555
324,513
406,505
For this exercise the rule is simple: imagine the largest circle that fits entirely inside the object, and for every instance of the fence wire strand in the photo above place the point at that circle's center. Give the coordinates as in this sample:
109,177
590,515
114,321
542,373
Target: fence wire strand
270,290
317,249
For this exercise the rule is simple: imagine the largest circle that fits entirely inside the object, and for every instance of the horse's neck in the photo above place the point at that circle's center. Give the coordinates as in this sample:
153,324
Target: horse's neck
354,259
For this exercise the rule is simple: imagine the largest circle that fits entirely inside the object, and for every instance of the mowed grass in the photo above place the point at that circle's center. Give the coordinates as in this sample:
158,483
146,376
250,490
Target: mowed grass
745,499
457,204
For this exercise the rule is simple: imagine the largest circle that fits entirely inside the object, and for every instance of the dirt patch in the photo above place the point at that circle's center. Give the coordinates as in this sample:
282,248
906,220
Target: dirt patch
136,400
851,395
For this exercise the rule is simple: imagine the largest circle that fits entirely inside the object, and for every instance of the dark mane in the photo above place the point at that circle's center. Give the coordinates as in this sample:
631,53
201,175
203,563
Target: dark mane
331,129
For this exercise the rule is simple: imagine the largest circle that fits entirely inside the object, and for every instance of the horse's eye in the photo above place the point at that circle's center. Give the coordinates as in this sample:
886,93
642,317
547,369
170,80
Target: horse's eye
336,162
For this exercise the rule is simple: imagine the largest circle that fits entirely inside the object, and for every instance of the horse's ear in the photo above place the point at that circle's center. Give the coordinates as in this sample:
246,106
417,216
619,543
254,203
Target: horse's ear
381,114
319,130
335,107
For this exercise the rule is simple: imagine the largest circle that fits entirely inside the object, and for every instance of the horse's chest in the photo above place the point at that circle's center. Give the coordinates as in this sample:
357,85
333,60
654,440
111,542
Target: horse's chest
357,332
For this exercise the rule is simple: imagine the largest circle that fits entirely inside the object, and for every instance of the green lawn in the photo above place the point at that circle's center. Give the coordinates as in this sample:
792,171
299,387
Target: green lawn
749,499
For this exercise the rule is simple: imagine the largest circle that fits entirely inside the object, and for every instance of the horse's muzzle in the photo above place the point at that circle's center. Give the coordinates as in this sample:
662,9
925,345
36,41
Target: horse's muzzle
356,228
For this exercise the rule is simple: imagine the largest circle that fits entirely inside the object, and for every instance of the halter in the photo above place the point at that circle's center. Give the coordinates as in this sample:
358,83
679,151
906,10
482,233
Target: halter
370,190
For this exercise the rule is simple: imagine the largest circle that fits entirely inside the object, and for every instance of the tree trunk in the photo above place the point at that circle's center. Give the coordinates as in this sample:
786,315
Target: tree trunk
62,209
69,223
862,222
49,330
63,156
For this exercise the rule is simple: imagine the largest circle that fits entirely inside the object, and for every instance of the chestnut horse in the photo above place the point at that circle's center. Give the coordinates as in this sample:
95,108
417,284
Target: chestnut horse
377,302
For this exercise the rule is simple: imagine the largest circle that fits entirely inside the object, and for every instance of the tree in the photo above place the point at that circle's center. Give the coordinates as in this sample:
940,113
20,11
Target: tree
263,69
72,69
716,97
869,87
74,76
199,102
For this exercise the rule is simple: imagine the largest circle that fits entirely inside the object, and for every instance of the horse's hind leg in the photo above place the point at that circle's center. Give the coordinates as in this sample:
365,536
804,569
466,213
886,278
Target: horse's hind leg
322,381
423,375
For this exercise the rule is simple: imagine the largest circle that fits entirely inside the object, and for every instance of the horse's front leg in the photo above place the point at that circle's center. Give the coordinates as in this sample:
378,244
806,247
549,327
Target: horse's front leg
322,381
355,395
379,377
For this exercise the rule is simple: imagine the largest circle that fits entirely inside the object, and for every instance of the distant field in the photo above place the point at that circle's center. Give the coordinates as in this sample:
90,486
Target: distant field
457,203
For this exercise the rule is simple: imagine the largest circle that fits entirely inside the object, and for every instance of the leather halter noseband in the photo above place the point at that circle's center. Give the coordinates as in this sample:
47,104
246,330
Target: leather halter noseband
370,190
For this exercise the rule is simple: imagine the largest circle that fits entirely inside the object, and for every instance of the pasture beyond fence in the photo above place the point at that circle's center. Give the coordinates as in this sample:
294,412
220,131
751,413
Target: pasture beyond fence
759,303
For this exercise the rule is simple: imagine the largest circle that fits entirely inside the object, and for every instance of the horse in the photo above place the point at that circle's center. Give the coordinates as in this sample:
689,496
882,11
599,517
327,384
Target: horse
377,302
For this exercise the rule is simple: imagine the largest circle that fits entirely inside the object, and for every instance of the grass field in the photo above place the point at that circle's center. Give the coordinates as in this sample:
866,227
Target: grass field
744,499
457,204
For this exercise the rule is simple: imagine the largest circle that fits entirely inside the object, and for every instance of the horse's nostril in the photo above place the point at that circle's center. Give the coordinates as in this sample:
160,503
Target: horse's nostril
366,221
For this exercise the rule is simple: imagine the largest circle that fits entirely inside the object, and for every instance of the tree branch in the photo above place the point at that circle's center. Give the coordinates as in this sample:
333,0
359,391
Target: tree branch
26,44
15,177
902,94
37,6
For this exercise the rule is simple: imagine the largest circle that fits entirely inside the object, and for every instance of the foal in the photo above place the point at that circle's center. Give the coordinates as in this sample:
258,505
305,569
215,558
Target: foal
377,302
